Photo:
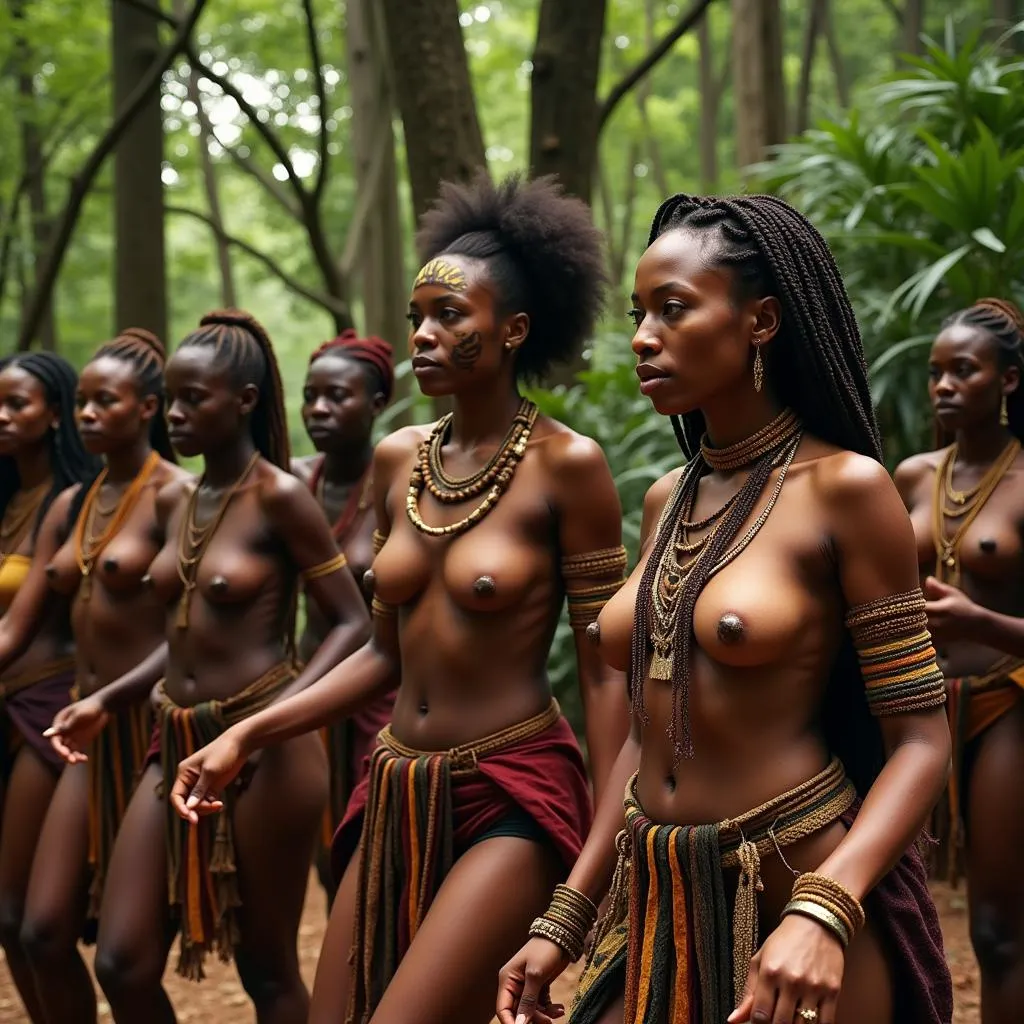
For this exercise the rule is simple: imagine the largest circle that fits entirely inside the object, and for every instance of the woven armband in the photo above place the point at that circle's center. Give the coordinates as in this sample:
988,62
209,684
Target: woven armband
379,540
585,597
381,609
332,565
897,659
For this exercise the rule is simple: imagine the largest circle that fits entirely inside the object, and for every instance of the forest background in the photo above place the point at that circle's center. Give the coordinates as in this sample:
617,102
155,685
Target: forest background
160,158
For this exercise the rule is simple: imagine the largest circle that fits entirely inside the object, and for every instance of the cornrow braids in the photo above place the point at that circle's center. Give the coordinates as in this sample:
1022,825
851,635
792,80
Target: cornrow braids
146,353
70,463
241,343
373,354
815,366
1003,322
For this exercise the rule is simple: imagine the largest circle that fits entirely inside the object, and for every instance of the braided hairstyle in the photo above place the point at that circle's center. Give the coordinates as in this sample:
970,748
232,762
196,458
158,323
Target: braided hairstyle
373,354
147,355
1003,322
542,251
241,344
815,365
70,463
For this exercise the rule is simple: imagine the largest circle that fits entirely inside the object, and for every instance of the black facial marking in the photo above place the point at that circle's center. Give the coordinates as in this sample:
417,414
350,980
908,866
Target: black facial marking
467,351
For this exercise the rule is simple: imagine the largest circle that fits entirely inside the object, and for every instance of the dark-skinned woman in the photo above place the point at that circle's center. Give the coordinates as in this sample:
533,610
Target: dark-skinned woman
966,501
238,544
116,623
477,799
40,456
779,783
348,384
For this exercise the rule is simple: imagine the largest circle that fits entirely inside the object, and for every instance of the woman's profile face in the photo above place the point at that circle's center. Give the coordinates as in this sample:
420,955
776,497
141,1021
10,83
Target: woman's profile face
693,340
25,414
965,382
108,408
338,403
205,406
457,337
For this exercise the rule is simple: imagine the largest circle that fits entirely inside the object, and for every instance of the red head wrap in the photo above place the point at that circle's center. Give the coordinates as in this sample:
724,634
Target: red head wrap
374,351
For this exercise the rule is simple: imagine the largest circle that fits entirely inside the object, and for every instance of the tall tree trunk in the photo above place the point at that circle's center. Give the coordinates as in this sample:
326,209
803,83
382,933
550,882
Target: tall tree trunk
913,25
563,92
443,141
35,169
642,93
815,19
757,74
708,108
835,55
140,295
1004,14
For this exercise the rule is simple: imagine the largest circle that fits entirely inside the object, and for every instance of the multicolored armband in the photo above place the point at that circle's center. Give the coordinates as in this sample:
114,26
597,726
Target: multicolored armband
897,659
586,597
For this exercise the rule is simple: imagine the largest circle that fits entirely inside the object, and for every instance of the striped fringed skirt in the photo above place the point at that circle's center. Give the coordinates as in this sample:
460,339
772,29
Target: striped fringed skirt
201,869
419,810
975,703
116,759
665,939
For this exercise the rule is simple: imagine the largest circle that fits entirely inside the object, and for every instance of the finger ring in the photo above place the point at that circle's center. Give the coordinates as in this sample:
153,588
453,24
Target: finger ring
808,1015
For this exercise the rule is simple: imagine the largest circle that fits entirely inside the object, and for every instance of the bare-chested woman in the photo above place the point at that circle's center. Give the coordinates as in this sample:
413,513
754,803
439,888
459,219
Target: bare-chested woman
348,384
967,505
116,623
781,542
41,455
237,543
477,799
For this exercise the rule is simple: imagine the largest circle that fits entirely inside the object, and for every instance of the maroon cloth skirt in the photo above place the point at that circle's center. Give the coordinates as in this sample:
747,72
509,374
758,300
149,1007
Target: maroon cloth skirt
31,708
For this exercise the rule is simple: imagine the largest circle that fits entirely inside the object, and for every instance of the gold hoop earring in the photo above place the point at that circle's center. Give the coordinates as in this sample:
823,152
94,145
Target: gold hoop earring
1004,416
758,370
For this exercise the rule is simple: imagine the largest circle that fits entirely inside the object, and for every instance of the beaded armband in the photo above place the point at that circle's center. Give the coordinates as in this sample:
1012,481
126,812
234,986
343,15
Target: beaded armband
379,540
897,659
567,922
332,565
586,599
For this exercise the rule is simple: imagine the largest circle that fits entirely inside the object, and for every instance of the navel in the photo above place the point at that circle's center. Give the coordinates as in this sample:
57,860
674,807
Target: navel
670,783
423,708
485,586
730,628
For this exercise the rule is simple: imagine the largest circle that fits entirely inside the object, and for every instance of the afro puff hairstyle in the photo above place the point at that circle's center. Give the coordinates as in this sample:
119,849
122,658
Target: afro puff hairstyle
542,250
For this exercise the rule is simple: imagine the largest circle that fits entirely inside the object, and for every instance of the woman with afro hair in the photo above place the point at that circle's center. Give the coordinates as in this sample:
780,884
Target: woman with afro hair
476,801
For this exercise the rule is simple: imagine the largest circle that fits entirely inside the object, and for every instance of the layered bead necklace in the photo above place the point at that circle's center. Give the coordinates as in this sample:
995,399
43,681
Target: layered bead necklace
494,478
962,507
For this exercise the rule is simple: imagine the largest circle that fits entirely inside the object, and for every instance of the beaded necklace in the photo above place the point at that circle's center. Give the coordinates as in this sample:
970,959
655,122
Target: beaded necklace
494,478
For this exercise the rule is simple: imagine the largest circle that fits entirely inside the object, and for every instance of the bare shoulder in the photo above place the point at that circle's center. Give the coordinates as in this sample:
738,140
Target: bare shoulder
567,454
167,473
303,467
279,489
394,450
910,472
658,493
174,492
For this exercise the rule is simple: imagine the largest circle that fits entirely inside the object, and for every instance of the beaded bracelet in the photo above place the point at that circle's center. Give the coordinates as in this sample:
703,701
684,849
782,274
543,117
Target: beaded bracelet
567,922
828,902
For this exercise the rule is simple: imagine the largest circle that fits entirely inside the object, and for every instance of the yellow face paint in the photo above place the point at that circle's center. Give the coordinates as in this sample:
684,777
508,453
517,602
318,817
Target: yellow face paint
440,271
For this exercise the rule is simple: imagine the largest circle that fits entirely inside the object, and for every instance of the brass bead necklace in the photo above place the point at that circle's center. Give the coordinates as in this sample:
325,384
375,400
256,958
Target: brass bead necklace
494,478
750,449
87,544
194,540
965,506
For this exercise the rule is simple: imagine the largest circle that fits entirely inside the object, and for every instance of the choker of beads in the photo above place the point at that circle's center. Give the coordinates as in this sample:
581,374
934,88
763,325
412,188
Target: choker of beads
492,480
750,449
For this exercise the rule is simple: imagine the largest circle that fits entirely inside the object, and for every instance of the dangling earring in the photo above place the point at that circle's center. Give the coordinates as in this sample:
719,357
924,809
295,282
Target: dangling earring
758,369
508,346
1004,416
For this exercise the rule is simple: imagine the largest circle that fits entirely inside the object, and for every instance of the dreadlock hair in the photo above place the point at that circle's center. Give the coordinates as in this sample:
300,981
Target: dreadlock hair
146,353
815,365
542,251
1003,322
373,354
70,463
241,344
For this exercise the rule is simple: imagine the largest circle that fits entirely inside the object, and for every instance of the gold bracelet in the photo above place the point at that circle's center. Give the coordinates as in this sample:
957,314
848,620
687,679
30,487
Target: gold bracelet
832,896
315,572
570,942
805,908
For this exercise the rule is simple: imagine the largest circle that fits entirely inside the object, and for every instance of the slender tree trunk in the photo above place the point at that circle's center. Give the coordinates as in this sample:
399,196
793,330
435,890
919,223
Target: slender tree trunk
757,74
443,141
835,55
563,91
1004,14
708,108
815,18
642,93
913,25
140,296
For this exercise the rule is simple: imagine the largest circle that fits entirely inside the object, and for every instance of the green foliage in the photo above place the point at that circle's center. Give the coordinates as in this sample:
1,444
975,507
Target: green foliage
920,191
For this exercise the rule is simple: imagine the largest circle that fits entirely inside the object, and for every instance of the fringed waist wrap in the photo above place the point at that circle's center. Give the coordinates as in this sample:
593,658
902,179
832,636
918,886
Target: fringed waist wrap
667,926
418,809
201,869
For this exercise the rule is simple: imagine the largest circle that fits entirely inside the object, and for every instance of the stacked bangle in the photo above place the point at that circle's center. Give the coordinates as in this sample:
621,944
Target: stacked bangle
824,900
567,922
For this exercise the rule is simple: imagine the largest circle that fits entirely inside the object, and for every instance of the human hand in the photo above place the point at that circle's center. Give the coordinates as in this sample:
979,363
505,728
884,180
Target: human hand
952,615
799,968
524,984
205,774
75,727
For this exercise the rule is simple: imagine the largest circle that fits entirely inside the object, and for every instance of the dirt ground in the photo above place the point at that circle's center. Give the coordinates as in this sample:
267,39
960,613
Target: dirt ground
220,998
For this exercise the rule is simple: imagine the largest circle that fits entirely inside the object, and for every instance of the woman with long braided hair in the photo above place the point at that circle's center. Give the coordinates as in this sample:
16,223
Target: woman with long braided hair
115,624
476,801
40,456
348,383
779,784
966,502
236,546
